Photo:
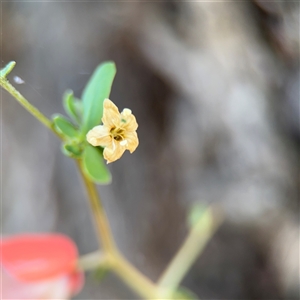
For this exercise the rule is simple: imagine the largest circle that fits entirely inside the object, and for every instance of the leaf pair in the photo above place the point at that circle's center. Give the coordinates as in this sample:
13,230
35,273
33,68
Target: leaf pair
84,115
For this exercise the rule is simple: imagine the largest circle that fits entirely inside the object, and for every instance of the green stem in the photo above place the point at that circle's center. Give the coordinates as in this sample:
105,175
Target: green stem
134,279
192,247
92,261
129,274
25,103
99,216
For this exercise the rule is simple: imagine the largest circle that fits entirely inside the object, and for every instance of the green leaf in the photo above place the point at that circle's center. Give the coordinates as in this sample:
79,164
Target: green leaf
62,125
78,108
7,69
73,106
96,91
94,166
72,150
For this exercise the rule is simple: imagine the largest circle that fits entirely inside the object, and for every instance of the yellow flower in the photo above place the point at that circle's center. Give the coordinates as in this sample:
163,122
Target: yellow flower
117,134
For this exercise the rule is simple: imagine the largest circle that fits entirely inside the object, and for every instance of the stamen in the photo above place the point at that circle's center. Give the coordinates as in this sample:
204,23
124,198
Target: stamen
118,138
117,134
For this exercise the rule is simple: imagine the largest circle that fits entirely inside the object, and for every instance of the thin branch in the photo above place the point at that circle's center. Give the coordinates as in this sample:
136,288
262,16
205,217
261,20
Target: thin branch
25,103
193,246
92,261
99,216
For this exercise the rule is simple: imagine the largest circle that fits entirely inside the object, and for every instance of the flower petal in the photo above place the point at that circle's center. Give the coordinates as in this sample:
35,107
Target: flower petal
111,114
114,151
39,266
99,136
132,141
128,121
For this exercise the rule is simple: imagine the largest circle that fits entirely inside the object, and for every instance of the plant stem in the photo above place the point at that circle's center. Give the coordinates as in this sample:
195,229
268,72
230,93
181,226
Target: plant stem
99,216
92,260
134,279
192,247
30,108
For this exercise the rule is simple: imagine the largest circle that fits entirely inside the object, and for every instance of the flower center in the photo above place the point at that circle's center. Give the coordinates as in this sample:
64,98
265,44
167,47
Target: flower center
117,134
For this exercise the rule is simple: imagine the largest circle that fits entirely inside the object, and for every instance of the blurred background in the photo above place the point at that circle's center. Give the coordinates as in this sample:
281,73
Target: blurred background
215,89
